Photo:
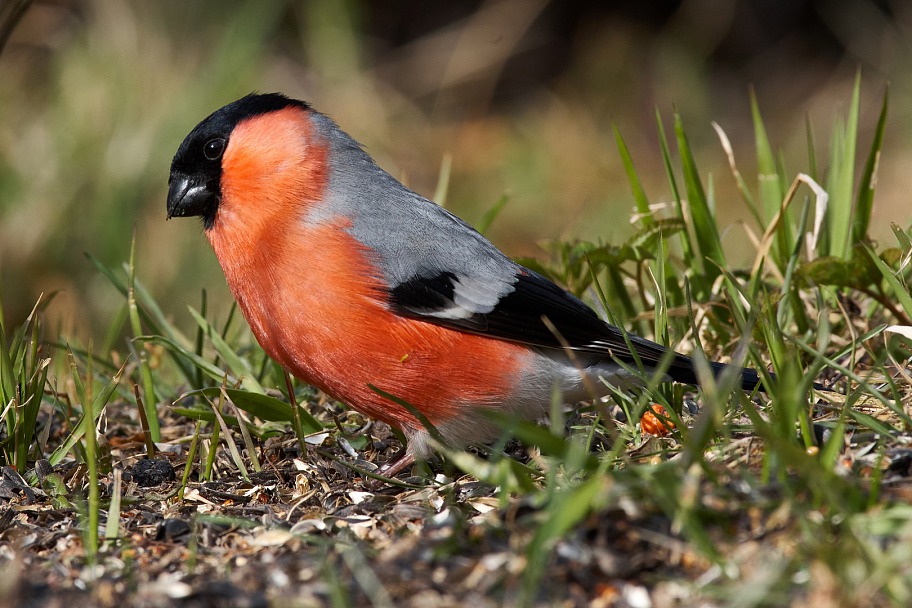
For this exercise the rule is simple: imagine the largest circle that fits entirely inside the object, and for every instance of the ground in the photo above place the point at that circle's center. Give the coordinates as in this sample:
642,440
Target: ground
310,529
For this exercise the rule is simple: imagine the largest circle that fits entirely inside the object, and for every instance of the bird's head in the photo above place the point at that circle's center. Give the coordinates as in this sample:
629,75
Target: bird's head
250,154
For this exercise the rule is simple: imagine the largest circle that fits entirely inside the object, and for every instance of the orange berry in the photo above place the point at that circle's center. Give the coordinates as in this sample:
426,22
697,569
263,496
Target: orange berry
651,424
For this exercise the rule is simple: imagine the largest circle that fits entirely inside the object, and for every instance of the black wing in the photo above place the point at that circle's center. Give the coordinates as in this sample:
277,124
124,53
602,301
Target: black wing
518,317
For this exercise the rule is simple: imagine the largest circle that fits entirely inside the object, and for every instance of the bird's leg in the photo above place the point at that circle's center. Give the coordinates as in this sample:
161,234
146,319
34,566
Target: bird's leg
402,461
391,469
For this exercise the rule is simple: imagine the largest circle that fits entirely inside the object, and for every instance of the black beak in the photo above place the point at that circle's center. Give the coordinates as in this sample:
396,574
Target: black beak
188,197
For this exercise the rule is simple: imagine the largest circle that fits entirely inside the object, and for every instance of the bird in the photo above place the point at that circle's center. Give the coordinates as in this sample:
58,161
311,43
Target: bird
377,296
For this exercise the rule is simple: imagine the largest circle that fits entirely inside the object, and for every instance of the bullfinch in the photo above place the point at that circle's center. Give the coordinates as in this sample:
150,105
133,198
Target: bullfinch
352,281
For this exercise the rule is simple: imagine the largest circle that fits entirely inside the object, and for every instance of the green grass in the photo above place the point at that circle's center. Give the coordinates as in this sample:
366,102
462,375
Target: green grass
743,468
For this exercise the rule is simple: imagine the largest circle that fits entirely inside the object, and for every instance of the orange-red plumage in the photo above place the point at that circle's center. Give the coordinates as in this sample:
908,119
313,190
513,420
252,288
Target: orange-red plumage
340,338
274,169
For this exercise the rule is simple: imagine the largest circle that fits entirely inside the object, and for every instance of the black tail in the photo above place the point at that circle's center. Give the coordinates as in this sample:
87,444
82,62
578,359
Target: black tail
683,370
750,379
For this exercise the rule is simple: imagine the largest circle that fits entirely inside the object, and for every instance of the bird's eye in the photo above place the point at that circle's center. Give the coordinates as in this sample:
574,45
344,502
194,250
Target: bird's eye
214,148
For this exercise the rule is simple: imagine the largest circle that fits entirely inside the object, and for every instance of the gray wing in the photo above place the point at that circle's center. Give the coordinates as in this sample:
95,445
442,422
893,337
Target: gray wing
414,237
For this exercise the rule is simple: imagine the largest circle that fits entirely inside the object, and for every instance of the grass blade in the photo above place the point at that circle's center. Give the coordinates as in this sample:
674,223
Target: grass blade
702,218
243,371
636,186
214,372
145,372
262,406
491,214
112,526
687,247
232,446
840,178
864,202
900,291
245,434
94,411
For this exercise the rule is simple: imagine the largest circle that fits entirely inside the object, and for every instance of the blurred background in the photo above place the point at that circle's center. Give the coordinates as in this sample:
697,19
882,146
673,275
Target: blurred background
96,95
